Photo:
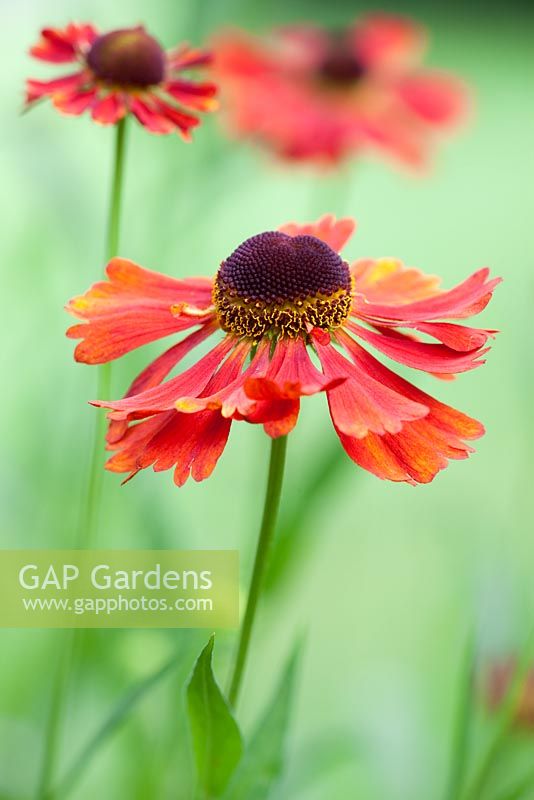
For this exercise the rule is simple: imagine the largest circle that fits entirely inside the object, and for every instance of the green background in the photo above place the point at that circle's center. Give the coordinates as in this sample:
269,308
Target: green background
390,578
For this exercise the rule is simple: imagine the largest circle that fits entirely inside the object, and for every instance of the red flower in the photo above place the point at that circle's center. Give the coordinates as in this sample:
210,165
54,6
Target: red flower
280,298
314,95
122,72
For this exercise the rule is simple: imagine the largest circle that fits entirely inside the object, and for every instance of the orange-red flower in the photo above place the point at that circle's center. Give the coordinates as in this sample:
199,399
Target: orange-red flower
499,679
294,316
121,72
316,95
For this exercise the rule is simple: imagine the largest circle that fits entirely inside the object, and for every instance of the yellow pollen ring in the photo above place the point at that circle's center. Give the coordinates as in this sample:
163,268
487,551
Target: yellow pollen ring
254,319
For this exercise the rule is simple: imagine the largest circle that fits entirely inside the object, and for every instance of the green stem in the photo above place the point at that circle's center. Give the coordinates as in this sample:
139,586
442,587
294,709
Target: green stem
55,716
116,191
462,724
91,503
268,525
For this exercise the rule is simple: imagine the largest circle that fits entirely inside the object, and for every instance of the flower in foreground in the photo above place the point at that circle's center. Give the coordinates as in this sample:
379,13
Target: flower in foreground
121,72
311,94
290,317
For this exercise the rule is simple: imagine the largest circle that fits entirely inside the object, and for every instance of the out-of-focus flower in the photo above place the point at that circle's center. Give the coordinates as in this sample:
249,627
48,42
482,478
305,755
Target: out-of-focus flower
311,94
125,71
499,678
284,299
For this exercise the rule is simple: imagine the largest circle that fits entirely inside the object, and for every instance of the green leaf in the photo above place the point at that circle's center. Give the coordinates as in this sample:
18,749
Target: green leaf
217,742
263,761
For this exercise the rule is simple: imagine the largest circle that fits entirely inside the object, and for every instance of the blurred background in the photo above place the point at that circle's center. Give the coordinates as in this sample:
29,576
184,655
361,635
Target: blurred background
385,580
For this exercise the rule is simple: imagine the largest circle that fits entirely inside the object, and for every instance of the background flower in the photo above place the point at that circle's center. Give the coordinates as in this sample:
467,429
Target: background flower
124,71
314,94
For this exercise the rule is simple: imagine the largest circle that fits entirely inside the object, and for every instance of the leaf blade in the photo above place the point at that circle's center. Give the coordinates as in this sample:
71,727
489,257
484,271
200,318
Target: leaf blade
217,742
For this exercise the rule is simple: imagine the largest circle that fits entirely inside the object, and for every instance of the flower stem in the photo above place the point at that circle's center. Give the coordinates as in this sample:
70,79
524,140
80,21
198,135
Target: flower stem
268,525
94,485
116,191
92,499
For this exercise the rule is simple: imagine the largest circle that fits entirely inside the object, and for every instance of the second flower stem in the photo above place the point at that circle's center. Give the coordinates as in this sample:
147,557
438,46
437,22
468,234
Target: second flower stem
94,484
267,530
88,521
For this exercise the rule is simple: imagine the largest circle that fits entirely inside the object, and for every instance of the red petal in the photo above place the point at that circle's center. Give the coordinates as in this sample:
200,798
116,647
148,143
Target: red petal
459,337
418,355
335,233
388,42
415,455
185,57
436,98
388,280
131,309
448,419
62,45
199,96
75,103
362,404
164,397
182,122
35,90
290,375
466,299
194,444
109,109
228,394
150,118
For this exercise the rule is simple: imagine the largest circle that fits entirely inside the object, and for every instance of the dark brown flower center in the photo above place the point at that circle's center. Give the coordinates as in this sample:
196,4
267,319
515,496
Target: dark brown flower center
340,66
127,56
280,284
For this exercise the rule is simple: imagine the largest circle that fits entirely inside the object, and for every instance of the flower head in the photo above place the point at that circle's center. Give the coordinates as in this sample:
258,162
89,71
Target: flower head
124,71
294,317
310,94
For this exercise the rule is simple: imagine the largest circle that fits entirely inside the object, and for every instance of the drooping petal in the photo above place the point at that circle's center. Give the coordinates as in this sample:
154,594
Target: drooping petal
466,299
186,57
229,396
76,102
336,233
414,455
134,307
449,419
66,85
291,374
457,337
191,442
164,396
199,96
63,45
386,42
158,370
388,280
361,403
182,122
418,355
110,109
150,117
438,99
422,447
